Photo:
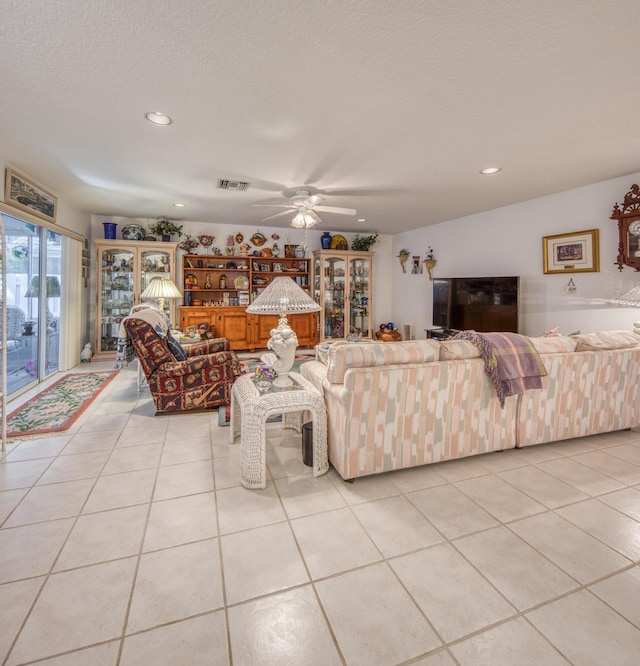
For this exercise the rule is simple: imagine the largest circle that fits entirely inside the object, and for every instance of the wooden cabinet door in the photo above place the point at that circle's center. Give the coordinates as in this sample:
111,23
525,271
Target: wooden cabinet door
234,323
192,316
304,325
261,326
306,328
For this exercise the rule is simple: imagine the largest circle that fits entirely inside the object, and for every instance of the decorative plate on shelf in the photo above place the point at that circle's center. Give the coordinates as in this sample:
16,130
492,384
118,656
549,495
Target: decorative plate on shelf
191,280
241,282
258,239
133,232
339,242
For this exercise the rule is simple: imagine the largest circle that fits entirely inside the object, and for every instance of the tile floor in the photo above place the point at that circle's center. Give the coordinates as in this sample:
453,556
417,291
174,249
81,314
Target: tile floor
128,540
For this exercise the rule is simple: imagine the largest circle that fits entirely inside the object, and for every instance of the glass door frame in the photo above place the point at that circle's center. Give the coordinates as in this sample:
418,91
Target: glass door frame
32,350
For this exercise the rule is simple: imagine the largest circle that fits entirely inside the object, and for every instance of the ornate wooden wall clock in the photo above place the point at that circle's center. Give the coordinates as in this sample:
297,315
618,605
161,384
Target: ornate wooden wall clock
628,216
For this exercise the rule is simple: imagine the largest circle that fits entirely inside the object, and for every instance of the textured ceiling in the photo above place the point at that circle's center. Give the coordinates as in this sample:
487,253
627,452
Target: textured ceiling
388,107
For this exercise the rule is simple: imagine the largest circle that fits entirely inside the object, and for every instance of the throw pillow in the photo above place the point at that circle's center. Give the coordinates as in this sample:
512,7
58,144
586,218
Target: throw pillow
175,348
457,350
558,344
607,340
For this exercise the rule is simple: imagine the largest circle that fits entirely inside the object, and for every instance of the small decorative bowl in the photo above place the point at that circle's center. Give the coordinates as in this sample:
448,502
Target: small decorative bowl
263,385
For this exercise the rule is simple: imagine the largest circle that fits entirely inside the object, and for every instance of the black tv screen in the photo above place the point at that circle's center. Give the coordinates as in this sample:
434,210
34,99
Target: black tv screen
483,304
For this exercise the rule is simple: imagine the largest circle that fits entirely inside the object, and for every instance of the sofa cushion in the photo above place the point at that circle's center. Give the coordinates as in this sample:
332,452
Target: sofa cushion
607,340
560,344
457,350
342,357
175,348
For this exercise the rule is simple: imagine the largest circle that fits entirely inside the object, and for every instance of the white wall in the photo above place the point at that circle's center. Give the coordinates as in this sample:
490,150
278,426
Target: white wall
508,241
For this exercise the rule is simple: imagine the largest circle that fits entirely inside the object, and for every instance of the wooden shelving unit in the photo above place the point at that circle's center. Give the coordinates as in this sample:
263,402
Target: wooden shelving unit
217,290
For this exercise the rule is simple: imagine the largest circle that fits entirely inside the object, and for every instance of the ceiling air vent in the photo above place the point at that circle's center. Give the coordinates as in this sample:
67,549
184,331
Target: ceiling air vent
238,185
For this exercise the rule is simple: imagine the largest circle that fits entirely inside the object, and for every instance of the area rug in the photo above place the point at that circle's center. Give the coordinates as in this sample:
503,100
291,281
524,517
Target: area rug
59,406
248,364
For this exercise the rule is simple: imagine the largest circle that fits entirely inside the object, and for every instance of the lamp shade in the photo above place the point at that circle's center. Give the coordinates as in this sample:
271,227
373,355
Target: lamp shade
631,298
283,296
53,287
161,288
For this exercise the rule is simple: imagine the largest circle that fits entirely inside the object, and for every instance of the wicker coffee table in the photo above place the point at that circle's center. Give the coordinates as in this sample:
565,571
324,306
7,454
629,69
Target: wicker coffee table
250,410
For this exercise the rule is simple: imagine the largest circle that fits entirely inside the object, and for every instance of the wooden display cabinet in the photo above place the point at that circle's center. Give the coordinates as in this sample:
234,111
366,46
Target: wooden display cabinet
245,277
342,286
124,270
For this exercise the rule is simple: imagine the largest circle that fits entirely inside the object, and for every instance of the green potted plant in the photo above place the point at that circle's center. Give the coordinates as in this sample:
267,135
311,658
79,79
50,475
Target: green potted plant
403,255
165,228
363,243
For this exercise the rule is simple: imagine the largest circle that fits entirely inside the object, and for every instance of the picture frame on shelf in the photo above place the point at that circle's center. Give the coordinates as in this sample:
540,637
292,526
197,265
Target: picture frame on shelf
277,268
22,193
576,252
290,251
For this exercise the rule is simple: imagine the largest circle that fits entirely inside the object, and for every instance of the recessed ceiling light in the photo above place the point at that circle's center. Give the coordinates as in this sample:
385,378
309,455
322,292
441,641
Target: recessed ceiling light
489,170
179,205
362,219
158,118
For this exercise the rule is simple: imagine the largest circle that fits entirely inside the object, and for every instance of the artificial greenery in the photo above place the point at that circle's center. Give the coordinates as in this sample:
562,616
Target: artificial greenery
164,227
404,252
363,243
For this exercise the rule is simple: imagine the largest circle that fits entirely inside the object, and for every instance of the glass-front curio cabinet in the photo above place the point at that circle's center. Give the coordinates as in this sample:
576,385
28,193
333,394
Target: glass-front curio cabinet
124,270
342,287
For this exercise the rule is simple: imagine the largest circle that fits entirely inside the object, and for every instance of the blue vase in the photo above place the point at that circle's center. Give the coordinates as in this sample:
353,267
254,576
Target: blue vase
325,240
110,230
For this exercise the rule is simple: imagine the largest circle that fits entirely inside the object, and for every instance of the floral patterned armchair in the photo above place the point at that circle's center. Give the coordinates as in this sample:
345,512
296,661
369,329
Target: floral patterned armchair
199,377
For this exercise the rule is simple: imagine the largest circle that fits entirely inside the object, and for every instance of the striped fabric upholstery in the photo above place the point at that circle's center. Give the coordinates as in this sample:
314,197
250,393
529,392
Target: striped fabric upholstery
607,340
584,393
456,350
558,344
397,416
343,356
386,411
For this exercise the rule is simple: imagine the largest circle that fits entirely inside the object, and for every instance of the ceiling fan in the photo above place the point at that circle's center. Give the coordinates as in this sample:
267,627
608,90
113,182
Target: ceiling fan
307,206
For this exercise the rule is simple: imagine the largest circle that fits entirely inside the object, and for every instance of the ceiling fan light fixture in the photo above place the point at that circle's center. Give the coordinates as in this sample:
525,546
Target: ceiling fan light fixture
158,118
309,221
298,221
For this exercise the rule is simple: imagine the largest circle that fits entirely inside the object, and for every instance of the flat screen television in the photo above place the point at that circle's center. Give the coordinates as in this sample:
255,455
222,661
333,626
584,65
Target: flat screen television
483,304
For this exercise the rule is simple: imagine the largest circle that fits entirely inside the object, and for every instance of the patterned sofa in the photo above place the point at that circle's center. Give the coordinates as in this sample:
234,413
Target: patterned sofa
401,404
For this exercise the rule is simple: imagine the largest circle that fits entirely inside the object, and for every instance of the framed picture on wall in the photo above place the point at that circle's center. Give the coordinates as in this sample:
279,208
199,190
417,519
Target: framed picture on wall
577,252
26,195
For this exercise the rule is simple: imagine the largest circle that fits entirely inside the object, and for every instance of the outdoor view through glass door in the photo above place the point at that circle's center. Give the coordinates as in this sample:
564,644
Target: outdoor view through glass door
34,266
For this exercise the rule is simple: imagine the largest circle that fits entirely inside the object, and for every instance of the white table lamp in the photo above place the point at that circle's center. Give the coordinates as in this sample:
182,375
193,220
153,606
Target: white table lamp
160,288
282,297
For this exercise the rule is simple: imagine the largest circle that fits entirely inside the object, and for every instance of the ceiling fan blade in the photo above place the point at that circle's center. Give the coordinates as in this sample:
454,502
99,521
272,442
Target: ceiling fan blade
336,210
272,217
275,205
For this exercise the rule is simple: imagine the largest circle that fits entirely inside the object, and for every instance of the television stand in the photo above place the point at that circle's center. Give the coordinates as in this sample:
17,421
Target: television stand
440,333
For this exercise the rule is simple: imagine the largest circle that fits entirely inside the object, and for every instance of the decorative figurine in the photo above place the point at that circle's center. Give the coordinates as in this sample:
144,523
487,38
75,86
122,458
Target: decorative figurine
86,354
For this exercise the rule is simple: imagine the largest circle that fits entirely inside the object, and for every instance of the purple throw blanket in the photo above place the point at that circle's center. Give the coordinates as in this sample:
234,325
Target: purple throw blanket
510,360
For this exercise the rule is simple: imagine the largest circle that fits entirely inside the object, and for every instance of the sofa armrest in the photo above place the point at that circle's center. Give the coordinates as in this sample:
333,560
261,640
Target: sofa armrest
315,372
208,347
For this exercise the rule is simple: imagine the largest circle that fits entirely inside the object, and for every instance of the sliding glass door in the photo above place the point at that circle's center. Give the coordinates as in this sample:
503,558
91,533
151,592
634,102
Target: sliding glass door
34,290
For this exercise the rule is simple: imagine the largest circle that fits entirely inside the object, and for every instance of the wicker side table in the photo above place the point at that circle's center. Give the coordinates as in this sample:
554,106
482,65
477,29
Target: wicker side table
250,410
